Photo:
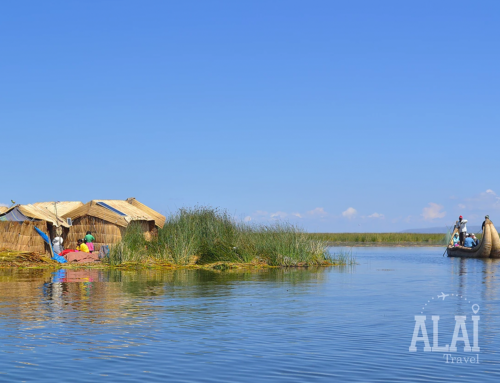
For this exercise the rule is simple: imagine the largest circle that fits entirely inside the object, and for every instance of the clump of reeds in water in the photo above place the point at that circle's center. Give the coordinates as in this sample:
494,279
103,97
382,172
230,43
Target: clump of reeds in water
342,257
205,235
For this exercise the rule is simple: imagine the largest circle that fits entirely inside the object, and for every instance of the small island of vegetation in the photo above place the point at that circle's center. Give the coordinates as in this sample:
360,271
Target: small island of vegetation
207,237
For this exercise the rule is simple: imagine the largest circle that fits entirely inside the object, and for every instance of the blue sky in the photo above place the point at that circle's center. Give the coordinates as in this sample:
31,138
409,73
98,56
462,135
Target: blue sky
336,115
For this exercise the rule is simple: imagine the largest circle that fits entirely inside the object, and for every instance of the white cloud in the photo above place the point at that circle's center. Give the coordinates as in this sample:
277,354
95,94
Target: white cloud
485,201
261,213
350,213
319,211
376,215
433,211
279,215
3,204
461,206
263,216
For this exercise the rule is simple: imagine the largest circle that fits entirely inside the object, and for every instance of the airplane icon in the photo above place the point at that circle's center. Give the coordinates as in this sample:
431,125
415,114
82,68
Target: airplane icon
443,295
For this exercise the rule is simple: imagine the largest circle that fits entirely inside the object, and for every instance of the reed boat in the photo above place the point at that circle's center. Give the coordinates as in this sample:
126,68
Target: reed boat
488,248
495,243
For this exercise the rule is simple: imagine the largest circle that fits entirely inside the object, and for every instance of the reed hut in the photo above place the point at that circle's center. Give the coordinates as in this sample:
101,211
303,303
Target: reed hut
107,220
59,208
17,228
159,218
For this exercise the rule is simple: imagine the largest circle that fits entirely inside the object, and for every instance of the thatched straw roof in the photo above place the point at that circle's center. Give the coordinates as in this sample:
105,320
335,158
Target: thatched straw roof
37,213
3,209
63,207
159,219
122,215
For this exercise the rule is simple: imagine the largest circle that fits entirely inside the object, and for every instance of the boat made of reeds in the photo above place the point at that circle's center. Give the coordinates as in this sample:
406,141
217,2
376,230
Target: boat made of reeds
489,246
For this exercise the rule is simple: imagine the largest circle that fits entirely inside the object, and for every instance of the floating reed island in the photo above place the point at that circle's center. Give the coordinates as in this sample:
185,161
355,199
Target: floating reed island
136,235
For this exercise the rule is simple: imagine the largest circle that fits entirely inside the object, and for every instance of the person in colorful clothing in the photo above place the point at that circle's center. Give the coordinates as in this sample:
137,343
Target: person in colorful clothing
82,246
456,240
89,241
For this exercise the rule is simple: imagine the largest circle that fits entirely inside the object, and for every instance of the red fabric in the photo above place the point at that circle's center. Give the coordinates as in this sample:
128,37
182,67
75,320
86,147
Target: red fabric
64,252
81,257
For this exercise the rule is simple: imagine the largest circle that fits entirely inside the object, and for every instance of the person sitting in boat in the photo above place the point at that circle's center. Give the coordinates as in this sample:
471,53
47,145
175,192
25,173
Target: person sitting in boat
82,246
469,242
456,240
476,241
462,229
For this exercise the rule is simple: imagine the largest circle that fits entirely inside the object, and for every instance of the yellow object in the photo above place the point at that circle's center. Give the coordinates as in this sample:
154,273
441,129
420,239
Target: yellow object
83,247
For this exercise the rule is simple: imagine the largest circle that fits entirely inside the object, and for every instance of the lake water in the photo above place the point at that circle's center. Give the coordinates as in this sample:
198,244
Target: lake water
317,325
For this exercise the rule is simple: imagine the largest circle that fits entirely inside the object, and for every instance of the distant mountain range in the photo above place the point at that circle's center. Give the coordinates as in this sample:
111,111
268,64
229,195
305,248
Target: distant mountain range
441,229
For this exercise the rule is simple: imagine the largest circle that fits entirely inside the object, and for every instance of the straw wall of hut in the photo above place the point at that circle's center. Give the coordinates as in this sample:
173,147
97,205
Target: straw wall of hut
17,225
22,236
104,232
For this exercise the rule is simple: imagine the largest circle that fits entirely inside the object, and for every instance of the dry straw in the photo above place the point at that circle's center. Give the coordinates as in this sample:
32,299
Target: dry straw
22,236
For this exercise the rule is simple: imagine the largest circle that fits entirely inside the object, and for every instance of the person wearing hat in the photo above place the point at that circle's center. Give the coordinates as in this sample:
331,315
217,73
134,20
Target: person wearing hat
456,240
462,229
484,222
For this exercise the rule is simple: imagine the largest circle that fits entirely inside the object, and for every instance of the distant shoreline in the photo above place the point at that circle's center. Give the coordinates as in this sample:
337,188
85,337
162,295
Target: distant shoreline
381,244
381,239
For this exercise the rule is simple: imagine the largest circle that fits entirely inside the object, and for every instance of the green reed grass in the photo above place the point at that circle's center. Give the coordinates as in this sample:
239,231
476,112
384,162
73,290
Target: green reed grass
205,235
381,238
342,257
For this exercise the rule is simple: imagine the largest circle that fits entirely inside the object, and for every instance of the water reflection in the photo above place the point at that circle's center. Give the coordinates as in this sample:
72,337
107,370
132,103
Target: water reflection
467,271
37,294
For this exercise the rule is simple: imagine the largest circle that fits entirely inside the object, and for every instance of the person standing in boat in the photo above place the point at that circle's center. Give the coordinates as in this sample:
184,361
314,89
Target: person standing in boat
484,222
461,225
